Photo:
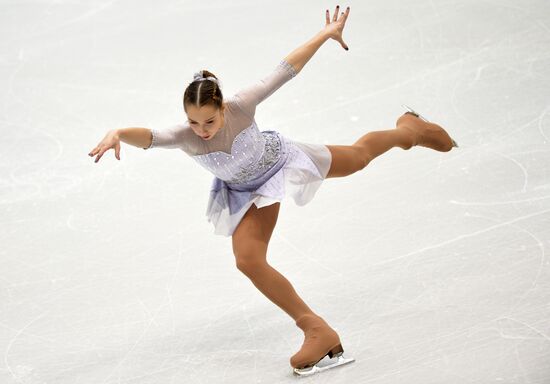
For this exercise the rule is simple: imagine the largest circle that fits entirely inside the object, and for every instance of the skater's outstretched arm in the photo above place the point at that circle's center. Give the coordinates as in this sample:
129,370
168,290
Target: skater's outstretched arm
249,97
139,137
332,30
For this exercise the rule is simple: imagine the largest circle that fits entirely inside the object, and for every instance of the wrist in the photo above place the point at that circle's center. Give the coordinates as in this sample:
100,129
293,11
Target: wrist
323,34
116,133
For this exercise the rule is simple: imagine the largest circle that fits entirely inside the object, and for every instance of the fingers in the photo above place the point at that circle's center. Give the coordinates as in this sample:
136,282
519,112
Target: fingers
344,45
99,152
335,17
344,16
99,155
117,151
97,158
94,152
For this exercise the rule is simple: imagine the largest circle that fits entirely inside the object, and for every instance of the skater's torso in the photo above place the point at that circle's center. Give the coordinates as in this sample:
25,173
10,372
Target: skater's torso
239,151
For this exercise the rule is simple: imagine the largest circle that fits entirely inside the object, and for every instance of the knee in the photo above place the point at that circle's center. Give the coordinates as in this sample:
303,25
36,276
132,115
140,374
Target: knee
251,267
363,156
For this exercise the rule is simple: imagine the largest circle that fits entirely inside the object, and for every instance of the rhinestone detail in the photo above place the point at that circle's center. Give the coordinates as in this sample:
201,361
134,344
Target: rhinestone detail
270,156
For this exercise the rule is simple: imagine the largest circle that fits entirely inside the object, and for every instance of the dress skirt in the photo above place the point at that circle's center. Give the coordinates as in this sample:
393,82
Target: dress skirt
299,173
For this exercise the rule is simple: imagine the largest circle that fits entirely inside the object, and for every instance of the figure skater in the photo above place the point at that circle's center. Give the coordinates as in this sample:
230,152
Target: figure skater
253,170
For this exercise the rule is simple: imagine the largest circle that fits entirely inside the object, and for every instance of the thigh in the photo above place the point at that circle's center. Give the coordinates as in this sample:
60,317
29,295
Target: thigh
346,159
251,237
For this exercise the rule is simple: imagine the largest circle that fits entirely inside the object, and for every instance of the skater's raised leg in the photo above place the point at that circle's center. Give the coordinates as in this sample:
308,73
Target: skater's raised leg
348,159
409,131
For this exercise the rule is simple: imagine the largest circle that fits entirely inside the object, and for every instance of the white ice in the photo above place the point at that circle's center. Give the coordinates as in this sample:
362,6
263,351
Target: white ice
433,267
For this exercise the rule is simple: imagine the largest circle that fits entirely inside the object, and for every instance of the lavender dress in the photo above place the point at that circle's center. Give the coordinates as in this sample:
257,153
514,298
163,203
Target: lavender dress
250,166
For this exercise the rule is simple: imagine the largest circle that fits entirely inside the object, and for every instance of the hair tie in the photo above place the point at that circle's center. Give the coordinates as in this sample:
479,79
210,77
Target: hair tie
198,76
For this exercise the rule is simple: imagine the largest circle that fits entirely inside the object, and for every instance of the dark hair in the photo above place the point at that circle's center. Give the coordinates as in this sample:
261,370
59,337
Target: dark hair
201,93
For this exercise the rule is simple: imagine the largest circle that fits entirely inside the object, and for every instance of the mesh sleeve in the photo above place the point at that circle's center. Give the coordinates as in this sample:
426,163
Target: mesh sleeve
167,138
248,97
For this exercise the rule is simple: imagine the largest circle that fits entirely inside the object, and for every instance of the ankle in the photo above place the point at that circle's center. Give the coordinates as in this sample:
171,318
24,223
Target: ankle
405,137
305,315
308,322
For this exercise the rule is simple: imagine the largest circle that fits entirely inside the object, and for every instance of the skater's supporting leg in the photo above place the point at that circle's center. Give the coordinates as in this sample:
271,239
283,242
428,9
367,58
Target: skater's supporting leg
348,159
250,242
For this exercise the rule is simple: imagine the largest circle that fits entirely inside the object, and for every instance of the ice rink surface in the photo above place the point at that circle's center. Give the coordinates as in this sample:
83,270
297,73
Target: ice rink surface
433,267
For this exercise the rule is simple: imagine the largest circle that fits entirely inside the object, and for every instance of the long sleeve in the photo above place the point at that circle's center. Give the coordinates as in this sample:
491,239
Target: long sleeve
247,98
171,137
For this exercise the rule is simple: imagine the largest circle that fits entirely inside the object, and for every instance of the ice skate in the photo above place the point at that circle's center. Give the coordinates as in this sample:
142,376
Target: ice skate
426,134
321,341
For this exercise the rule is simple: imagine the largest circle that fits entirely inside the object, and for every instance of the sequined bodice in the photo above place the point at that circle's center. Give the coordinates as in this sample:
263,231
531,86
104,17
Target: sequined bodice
252,153
242,152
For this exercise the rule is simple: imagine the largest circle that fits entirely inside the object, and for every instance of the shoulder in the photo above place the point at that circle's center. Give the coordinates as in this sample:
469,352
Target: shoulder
184,128
181,131
230,102
232,105
181,126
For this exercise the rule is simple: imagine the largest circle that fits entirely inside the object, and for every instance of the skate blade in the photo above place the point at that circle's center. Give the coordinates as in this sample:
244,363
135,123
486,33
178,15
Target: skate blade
423,118
415,113
323,365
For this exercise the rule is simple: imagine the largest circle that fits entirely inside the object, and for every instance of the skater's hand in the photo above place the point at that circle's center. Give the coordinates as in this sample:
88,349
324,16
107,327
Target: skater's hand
111,140
334,29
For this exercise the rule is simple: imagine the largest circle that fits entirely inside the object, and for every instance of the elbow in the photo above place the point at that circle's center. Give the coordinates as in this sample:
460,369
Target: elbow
292,68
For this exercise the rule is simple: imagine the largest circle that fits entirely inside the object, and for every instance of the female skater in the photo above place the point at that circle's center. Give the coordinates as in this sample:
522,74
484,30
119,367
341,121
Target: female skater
255,169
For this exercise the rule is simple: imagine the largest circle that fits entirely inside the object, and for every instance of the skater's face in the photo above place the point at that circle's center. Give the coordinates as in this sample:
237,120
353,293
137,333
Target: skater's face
205,121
